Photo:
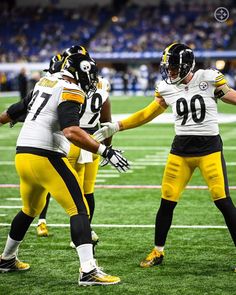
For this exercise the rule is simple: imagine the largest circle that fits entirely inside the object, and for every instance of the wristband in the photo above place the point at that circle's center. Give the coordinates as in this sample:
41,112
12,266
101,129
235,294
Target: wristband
101,149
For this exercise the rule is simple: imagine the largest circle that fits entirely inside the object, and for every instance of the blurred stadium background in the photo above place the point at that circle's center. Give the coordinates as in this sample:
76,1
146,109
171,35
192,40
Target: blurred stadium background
126,37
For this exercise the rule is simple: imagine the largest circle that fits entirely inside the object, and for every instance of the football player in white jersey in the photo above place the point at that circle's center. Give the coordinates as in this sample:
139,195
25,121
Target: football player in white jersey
42,165
95,109
193,98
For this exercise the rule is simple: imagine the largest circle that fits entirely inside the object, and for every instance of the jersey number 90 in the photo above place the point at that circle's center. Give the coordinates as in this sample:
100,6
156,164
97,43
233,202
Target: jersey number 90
183,110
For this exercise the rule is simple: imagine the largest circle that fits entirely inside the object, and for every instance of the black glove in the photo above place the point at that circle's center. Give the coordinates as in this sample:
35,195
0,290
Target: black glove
115,158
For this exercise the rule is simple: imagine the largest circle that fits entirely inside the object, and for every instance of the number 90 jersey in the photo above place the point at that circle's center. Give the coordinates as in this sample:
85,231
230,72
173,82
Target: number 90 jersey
90,110
194,105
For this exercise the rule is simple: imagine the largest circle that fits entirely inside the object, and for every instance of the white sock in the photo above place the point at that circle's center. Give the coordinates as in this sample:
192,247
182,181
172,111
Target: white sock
85,252
11,248
42,221
160,248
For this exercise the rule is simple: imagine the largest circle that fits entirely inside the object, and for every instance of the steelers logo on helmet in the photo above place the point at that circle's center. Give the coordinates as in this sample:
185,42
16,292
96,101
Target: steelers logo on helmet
177,62
85,66
83,69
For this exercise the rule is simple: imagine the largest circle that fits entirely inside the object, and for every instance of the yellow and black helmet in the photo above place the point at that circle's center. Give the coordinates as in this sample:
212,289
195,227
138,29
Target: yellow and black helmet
55,64
83,69
75,49
177,58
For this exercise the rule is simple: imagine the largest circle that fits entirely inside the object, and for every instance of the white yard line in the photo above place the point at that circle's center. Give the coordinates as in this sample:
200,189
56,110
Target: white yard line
135,226
130,186
10,207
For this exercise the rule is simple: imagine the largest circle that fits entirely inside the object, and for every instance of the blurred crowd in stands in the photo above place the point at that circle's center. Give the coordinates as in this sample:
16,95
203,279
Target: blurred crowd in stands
35,34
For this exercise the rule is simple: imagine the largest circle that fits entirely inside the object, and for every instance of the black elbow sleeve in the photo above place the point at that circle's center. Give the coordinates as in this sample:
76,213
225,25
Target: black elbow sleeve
68,114
18,111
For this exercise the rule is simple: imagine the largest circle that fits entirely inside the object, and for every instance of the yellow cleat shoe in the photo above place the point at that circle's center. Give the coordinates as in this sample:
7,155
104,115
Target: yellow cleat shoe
97,277
42,230
12,265
154,258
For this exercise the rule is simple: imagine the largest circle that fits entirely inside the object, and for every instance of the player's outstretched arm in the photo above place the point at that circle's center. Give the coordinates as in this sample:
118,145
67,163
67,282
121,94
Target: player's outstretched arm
226,94
17,111
4,118
155,108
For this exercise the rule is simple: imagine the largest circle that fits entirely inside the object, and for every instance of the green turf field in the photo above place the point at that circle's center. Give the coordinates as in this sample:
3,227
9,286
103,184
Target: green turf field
199,251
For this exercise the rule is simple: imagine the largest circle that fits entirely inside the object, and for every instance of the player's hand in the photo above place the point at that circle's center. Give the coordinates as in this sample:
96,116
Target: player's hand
105,161
114,157
106,131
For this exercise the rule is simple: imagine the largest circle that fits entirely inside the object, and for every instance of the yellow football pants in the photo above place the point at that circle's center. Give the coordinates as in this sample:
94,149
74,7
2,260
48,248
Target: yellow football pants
87,172
40,175
179,170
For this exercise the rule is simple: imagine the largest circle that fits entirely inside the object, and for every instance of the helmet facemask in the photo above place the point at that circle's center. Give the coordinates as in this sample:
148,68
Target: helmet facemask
177,63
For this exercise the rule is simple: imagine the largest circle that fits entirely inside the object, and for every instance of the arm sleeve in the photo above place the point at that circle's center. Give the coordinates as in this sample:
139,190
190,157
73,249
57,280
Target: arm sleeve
68,114
18,111
143,116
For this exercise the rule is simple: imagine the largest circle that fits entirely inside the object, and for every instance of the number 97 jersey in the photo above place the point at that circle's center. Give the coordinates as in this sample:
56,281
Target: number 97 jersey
194,104
90,110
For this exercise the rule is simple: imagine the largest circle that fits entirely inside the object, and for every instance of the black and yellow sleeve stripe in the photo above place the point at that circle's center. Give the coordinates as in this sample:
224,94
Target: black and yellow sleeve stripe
73,94
220,80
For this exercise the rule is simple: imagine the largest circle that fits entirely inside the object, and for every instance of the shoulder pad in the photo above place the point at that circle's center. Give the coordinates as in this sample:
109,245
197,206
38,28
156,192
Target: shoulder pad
73,92
215,77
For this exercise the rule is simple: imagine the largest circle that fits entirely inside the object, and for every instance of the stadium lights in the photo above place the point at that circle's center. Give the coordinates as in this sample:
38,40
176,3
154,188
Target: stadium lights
114,19
220,64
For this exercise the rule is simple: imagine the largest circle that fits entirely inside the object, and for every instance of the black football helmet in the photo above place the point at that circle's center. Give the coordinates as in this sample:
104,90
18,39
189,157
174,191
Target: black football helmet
177,62
83,69
55,64
75,49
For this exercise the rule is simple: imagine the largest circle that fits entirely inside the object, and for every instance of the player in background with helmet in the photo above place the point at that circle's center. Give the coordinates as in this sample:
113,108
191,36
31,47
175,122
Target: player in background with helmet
193,98
52,119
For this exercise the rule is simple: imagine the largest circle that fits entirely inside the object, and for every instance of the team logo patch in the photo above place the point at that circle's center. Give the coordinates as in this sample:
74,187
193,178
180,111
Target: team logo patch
203,85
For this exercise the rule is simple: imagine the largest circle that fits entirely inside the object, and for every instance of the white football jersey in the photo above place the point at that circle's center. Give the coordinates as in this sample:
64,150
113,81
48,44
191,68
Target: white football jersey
90,110
41,127
194,105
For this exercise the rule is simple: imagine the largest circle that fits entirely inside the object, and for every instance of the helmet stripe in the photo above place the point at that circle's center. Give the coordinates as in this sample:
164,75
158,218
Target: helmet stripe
164,58
59,57
83,50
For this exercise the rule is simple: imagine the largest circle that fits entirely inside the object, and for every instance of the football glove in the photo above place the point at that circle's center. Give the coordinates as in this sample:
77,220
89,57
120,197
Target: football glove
106,131
114,157
105,161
